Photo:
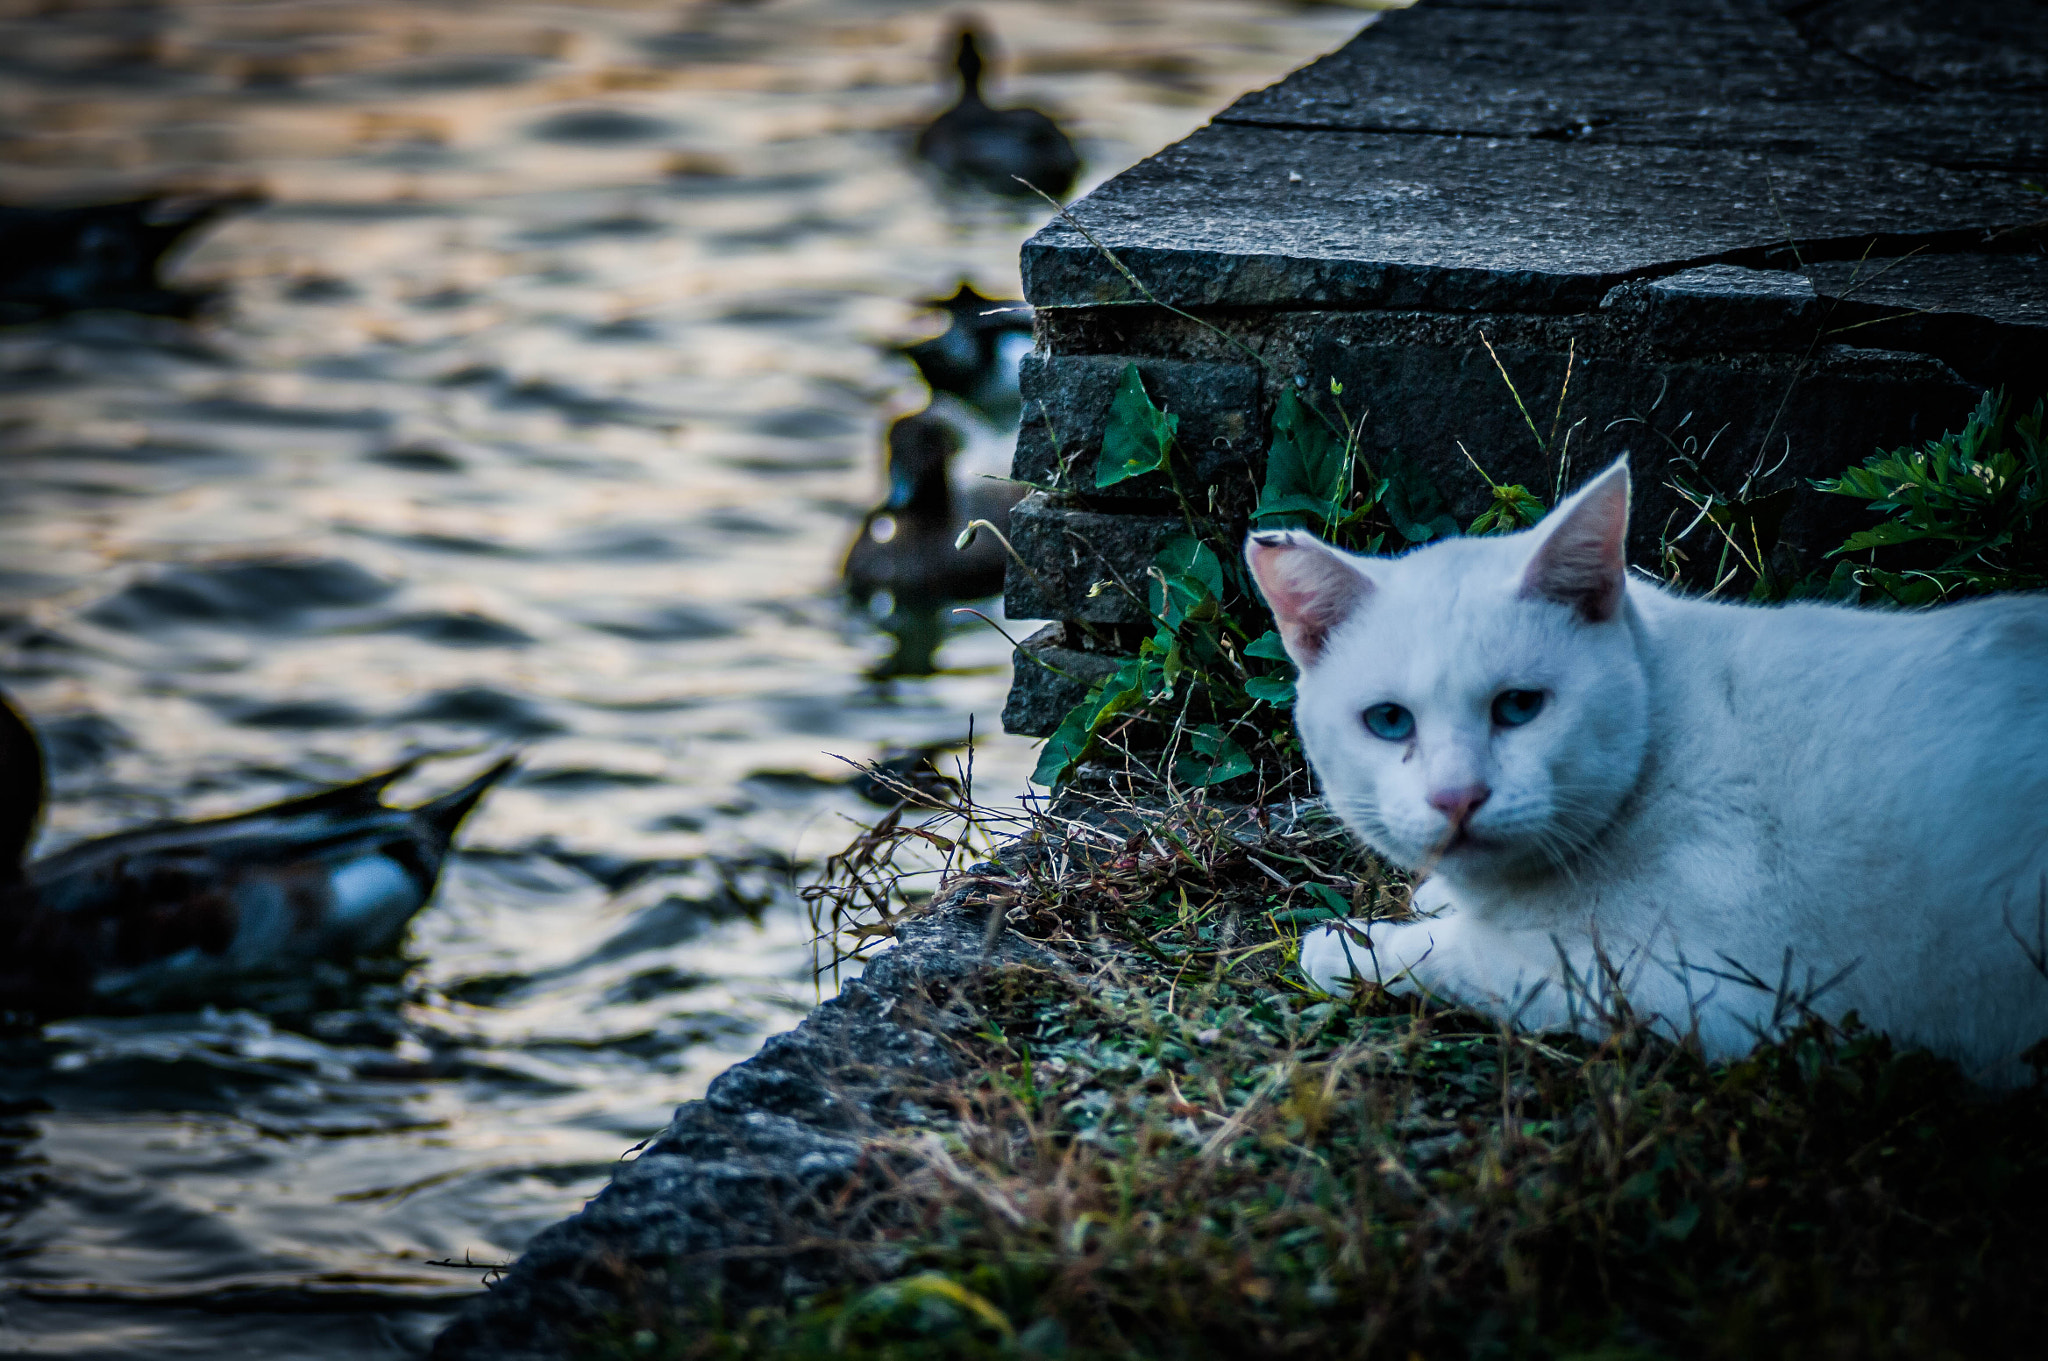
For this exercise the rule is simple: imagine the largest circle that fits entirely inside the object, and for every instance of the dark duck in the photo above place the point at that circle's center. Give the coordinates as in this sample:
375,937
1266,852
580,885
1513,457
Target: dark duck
983,147
977,356
181,913
907,545
64,258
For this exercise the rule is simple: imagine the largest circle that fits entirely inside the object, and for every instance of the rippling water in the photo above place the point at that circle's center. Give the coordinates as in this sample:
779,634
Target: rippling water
545,392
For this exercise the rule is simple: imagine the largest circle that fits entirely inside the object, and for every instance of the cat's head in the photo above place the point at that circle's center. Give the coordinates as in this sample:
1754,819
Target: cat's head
1479,706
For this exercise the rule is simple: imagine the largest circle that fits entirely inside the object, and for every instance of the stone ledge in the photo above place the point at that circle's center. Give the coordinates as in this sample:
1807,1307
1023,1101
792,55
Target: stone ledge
1072,550
1260,217
718,1196
1066,407
1714,74
1040,695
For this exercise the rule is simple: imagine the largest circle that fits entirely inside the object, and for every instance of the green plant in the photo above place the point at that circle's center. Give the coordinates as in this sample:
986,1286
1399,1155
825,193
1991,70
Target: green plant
1971,506
1210,684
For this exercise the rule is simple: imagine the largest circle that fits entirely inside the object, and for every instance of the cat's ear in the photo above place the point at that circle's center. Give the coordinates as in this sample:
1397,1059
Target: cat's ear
1311,587
1579,558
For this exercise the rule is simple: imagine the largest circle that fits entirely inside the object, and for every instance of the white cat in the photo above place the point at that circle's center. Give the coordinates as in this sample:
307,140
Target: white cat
1588,766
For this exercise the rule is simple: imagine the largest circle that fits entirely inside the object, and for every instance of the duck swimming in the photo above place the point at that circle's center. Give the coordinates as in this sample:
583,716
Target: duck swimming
988,148
178,912
977,357
906,544
58,259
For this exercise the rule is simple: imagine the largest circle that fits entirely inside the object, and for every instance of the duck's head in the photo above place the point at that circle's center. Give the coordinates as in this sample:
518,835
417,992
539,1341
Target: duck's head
920,446
21,789
968,61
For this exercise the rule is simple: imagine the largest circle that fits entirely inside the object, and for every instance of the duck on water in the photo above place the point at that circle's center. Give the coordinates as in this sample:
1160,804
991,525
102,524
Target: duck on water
67,257
976,357
906,561
179,913
983,147
908,545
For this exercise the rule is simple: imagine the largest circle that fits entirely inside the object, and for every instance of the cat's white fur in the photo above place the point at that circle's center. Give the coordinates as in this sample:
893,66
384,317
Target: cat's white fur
1706,788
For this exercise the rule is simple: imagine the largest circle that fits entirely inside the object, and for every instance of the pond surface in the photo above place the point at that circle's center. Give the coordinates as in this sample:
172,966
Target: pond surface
544,393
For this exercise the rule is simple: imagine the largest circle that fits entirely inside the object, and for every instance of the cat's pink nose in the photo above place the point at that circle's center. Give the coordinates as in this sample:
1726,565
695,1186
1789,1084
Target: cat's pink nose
1459,804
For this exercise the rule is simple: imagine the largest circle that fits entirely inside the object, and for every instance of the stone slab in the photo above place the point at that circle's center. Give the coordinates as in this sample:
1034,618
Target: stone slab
1255,217
1066,407
1729,75
1073,551
1722,307
1936,44
718,1200
1551,70
2009,289
1528,156
1048,679
1740,425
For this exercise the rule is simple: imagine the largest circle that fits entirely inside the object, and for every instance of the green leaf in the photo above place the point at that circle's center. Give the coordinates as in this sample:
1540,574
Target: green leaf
1306,469
1975,501
1414,504
1211,759
1303,916
1680,1226
1138,436
1335,903
1065,748
1277,691
1514,507
1075,737
1194,580
1268,646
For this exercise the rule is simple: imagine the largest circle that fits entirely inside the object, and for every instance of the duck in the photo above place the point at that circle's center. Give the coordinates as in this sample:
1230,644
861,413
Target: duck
56,259
183,913
907,545
976,358
977,145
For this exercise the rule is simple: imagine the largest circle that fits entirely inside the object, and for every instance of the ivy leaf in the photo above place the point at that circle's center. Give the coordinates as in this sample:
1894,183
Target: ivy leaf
1277,691
1213,758
1269,646
1065,748
1189,555
1414,504
1306,472
1193,581
1138,436
1075,737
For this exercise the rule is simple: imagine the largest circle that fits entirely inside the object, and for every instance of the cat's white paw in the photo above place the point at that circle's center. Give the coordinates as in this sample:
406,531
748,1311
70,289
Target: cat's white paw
1335,954
1331,956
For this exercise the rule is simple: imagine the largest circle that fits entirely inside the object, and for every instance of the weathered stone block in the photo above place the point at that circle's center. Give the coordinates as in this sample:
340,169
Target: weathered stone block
1721,307
1736,424
1048,679
1240,216
1072,552
1066,407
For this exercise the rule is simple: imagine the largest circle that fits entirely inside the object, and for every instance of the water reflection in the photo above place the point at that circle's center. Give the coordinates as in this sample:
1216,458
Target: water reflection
546,397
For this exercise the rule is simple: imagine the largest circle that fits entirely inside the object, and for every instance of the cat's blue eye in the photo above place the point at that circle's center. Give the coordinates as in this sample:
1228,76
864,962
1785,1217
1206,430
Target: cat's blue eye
1513,708
1390,722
